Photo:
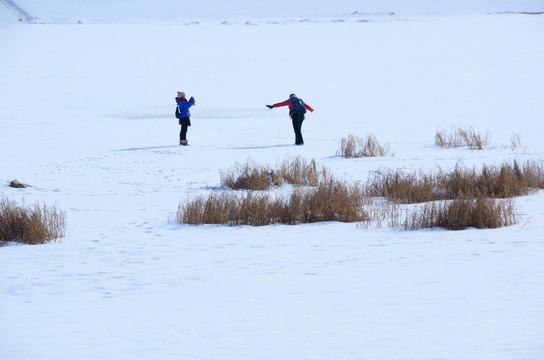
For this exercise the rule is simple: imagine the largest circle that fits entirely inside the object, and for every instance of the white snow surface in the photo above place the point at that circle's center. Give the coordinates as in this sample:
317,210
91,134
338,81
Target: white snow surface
87,119
116,11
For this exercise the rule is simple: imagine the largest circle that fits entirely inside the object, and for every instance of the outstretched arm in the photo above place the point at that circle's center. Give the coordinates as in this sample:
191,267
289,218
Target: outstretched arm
283,103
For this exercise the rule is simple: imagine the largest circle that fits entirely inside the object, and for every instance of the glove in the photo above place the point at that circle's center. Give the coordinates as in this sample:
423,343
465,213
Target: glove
269,106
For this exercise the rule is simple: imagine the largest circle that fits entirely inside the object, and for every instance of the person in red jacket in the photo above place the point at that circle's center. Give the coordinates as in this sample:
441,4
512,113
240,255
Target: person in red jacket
297,109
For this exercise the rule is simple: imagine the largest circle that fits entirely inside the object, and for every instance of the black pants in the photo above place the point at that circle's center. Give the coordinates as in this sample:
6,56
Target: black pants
297,127
185,122
183,133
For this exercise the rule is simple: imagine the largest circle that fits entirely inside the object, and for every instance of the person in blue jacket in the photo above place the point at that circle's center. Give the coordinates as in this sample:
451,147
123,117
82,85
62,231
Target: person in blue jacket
184,116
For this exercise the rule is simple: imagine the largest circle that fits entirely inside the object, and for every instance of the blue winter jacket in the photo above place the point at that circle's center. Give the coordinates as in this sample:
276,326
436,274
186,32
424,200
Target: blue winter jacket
184,106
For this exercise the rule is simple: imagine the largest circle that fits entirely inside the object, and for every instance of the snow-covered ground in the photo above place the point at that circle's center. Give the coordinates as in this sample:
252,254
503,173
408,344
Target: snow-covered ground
87,119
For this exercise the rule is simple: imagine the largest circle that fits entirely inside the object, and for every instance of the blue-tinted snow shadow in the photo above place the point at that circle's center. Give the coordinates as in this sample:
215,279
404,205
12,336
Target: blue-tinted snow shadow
148,148
255,147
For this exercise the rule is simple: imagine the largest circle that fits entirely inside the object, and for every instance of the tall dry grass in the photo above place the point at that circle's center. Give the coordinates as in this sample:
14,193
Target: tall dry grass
505,181
329,201
30,225
382,213
404,187
462,213
354,147
295,171
249,176
301,172
515,142
460,137
229,208
461,198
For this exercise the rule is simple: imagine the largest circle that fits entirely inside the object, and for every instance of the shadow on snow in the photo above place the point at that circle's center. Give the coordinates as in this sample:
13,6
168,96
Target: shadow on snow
255,147
148,148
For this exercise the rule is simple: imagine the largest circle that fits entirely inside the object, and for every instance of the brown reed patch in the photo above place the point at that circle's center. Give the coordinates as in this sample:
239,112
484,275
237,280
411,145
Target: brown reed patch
356,147
230,208
37,225
252,176
249,176
452,200
505,181
329,201
462,213
460,137
299,171
402,187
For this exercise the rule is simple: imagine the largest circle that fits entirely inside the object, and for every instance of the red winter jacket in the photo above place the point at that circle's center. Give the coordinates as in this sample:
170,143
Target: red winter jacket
289,103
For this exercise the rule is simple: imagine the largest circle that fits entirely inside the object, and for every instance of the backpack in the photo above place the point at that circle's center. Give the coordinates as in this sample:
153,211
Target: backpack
177,112
298,105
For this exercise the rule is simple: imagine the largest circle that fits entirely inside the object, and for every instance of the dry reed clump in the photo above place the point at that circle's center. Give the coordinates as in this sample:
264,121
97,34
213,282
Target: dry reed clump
355,147
299,171
462,213
329,201
228,208
460,137
402,187
453,200
515,142
38,225
251,176
505,181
